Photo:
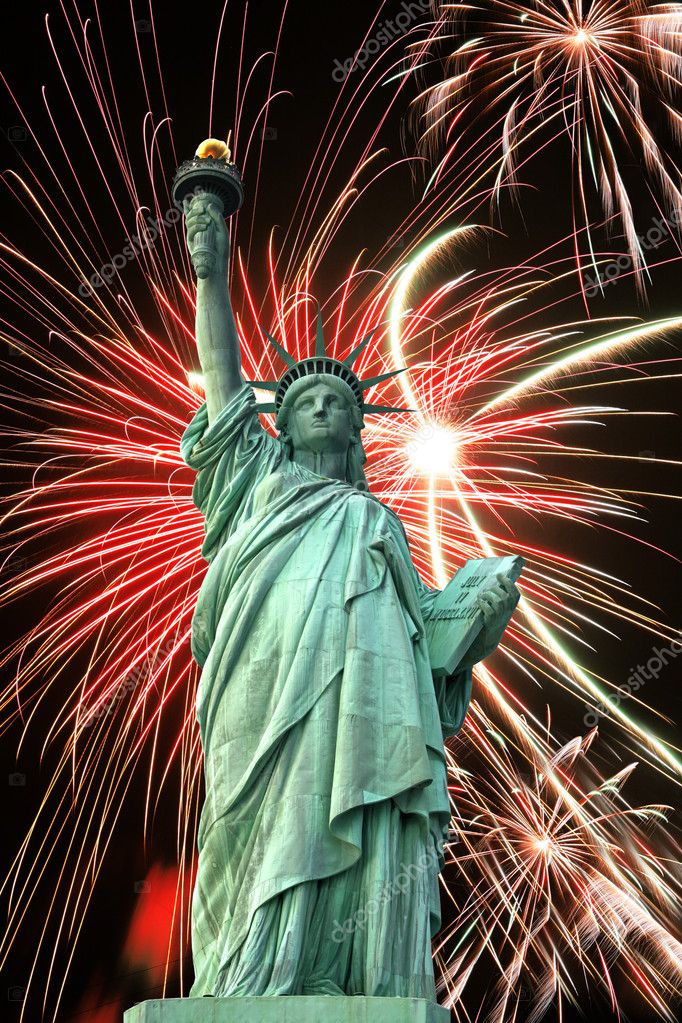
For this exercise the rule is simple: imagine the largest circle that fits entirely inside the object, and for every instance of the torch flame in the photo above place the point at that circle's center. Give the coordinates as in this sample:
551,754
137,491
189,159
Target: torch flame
215,148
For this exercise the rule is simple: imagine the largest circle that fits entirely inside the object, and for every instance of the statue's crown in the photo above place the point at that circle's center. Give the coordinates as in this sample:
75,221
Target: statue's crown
321,363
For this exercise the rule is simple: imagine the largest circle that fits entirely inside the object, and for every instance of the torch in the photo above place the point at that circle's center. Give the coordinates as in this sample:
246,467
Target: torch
213,175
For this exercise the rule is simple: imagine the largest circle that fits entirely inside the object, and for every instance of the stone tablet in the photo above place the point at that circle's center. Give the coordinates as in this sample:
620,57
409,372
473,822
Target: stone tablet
455,618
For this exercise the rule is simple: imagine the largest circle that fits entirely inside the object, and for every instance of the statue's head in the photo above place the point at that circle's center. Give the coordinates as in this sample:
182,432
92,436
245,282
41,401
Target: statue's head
319,403
320,414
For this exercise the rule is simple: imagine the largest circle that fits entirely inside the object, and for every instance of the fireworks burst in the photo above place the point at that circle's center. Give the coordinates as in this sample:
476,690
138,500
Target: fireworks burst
576,862
109,521
596,71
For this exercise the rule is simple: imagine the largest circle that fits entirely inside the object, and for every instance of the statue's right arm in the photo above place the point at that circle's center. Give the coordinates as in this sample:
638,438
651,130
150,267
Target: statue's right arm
216,330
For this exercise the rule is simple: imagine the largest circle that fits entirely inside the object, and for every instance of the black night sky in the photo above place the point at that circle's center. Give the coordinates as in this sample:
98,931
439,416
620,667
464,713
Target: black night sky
101,982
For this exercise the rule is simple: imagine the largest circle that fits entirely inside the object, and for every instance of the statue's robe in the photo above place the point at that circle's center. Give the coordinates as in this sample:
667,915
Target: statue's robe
322,730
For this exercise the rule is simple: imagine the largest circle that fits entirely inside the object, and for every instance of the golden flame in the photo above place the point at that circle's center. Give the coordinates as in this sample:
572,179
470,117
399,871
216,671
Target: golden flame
214,147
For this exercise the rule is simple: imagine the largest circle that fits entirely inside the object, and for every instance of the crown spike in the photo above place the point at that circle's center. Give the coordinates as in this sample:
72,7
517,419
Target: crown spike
320,348
373,381
350,359
288,359
322,363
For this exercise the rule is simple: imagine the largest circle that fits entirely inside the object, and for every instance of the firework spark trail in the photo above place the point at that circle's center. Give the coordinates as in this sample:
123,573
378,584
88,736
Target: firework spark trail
103,443
500,884
570,68
124,442
465,493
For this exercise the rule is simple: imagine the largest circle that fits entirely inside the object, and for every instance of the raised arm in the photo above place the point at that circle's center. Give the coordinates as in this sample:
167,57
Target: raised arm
216,330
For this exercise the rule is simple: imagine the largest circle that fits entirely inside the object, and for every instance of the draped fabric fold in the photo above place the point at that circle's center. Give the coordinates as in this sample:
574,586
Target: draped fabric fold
320,723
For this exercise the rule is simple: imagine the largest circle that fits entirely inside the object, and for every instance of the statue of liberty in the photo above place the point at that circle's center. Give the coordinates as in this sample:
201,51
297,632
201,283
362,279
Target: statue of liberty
321,722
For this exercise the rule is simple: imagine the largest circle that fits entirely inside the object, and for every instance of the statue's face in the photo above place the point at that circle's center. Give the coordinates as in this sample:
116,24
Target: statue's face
320,421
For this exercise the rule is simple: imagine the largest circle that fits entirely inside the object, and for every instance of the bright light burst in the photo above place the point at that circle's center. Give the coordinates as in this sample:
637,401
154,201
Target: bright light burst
604,73
432,450
562,881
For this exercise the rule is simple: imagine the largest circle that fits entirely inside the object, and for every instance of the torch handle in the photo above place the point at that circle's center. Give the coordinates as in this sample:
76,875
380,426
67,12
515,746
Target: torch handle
204,244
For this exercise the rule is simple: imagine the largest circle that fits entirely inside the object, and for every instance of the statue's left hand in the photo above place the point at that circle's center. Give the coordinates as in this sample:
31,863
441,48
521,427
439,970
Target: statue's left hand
497,604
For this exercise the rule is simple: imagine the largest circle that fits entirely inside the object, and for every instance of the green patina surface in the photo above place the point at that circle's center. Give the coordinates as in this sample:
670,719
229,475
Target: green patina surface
321,726
291,1010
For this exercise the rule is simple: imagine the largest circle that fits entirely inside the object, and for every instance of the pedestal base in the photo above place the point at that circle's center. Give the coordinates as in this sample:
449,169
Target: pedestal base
288,1009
